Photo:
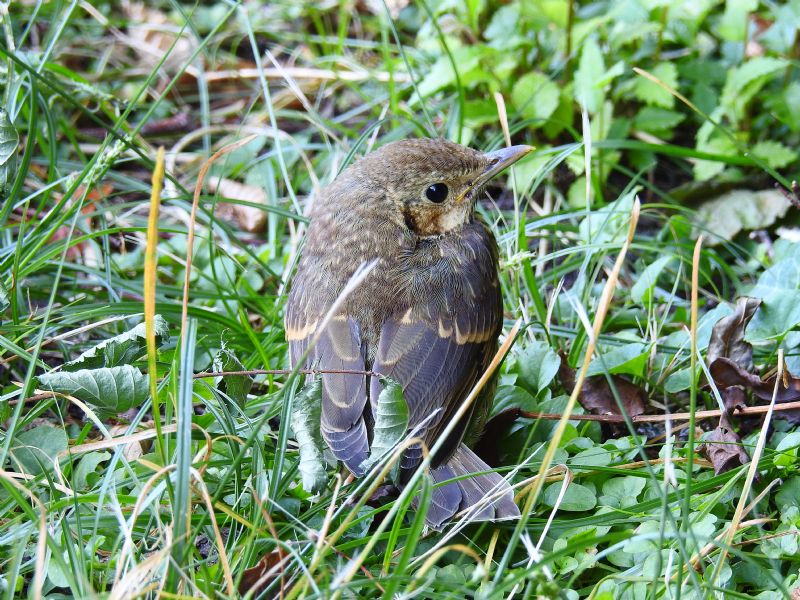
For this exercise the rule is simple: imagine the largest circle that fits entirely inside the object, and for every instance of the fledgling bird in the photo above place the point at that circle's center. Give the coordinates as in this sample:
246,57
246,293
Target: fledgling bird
427,315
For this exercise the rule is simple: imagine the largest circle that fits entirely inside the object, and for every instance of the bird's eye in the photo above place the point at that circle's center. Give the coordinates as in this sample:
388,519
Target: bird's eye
436,192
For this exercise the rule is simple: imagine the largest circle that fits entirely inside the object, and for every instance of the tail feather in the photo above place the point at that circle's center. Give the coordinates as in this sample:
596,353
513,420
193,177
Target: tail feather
487,496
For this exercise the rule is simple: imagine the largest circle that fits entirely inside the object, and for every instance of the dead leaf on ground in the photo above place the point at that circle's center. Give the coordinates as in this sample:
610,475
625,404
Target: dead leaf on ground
597,396
737,210
256,579
727,337
727,373
724,448
249,218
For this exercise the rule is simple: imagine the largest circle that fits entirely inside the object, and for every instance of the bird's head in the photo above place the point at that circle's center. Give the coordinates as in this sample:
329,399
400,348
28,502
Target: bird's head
430,185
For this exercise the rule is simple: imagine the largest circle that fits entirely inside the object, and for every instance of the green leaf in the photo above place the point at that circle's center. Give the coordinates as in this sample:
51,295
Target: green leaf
746,80
642,290
577,497
678,381
786,450
111,391
779,288
9,142
391,422
35,451
121,349
630,358
658,120
621,492
306,416
733,24
234,386
513,396
5,302
726,215
608,225
788,494
775,154
538,365
590,70
652,93
535,96
85,472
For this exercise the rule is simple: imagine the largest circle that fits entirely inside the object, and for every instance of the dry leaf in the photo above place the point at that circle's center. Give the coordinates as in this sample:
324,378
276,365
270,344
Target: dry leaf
724,448
727,337
249,218
259,577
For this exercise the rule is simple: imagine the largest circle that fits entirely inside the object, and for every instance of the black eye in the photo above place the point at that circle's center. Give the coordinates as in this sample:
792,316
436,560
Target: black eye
436,192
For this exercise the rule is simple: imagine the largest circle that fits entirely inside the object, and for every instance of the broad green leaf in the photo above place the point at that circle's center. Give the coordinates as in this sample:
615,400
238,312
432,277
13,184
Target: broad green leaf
678,381
775,154
726,215
111,391
779,288
786,450
608,224
788,493
235,386
630,359
707,169
9,141
590,71
621,492
658,120
734,22
653,94
35,451
745,81
306,415
642,290
86,470
391,422
538,365
513,396
535,96
576,498
122,349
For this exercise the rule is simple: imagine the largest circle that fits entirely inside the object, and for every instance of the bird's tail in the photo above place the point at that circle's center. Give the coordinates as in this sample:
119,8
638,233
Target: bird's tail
484,494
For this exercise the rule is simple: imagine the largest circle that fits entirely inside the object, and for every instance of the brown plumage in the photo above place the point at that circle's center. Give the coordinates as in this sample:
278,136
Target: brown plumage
427,315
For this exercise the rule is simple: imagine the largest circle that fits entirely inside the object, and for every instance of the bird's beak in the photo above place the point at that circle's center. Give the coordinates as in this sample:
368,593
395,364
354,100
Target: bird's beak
499,160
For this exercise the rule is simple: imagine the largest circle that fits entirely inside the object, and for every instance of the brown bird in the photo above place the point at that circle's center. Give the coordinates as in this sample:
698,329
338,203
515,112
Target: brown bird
427,315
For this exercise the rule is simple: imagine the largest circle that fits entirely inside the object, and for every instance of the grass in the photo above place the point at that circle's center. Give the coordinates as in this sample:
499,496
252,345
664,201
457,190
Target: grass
190,485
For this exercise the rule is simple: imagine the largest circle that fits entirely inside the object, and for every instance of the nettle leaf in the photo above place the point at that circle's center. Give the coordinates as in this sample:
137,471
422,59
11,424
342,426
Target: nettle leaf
535,96
391,422
235,386
577,497
36,450
306,415
746,80
9,142
630,358
642,290
538,365
653,94
121,349
111,391
775,154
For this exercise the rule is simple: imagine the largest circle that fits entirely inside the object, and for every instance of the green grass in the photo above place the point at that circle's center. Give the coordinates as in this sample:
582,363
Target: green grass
181,502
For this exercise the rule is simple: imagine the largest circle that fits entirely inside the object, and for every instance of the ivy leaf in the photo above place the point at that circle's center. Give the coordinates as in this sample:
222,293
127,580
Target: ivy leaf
391,422
306,415
121,349
35,451
9,142
576,498
111,391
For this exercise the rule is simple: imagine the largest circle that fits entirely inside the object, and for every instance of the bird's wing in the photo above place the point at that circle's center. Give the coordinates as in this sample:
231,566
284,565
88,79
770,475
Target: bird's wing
439,346
338,348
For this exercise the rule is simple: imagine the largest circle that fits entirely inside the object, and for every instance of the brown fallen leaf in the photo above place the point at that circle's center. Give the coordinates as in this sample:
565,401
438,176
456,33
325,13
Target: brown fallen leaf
724,448
727,337
249,218
727,373
256,579
597,395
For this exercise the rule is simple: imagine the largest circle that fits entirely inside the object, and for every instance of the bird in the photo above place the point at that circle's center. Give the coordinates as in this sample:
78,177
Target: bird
427,315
